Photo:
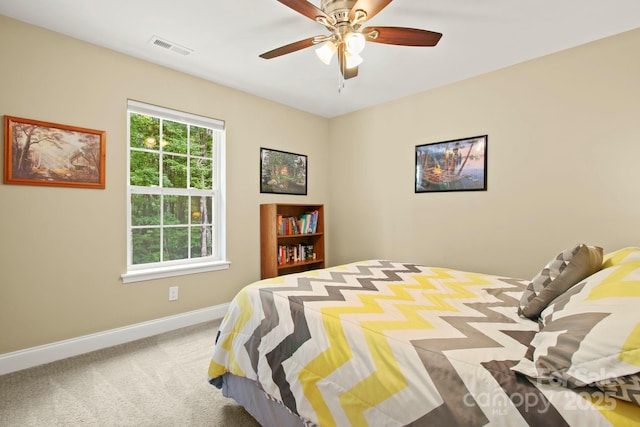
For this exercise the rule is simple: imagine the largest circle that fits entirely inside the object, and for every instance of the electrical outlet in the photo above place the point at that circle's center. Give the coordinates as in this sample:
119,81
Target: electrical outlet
173,293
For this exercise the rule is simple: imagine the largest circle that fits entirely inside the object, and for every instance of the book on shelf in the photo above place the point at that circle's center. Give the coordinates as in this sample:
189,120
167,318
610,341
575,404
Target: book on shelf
306,223
295,253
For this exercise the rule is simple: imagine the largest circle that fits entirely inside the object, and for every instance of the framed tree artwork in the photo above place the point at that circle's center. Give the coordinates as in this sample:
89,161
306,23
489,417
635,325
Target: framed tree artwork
282,172
50,154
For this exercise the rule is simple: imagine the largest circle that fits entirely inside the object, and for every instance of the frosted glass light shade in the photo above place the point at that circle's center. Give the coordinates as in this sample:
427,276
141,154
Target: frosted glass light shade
326,51
355,43
353,60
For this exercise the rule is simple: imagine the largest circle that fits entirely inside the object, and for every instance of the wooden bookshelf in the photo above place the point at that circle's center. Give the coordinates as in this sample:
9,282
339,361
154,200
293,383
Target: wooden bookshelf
271,239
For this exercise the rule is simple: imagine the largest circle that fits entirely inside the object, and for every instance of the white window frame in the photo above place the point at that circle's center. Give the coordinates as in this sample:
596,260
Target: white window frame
218,261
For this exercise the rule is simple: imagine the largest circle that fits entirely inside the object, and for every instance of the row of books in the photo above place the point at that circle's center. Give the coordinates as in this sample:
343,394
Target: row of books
306,223
295,253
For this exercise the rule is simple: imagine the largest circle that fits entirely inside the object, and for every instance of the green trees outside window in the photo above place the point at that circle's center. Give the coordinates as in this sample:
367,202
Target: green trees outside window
172,190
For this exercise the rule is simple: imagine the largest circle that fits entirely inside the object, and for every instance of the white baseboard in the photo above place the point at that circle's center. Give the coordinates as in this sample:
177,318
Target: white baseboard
27,358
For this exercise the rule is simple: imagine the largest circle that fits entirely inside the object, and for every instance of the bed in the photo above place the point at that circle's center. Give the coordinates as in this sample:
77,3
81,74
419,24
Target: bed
386,343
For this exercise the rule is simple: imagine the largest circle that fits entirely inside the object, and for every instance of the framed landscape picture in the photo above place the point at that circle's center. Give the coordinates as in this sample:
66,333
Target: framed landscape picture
42,153
282,172
456,165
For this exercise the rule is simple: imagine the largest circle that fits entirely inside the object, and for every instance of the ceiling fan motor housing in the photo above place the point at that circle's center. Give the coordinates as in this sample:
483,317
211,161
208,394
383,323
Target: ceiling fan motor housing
338,9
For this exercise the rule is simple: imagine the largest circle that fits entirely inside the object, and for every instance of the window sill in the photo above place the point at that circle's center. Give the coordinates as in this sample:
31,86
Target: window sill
161,273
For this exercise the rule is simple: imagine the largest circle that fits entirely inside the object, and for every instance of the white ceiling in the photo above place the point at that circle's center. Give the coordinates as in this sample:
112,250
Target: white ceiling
227,36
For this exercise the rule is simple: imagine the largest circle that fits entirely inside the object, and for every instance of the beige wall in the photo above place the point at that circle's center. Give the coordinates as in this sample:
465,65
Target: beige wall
563,153
62,250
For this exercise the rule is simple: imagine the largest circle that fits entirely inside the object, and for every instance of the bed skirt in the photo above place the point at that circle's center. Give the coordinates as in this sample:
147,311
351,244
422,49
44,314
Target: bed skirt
253,399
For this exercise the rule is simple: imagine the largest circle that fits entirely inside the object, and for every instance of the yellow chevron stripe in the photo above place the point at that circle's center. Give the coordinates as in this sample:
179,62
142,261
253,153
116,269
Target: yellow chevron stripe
630,353
388,375
618,412
246,311
337,354
614,285
386,381
459,288
617,257
322,365
388,378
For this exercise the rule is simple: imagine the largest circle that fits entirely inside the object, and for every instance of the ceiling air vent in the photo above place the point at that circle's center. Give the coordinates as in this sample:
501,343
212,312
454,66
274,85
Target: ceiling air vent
170,46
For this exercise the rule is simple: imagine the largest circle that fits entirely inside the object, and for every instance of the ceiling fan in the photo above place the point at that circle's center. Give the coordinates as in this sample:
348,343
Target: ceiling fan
344,19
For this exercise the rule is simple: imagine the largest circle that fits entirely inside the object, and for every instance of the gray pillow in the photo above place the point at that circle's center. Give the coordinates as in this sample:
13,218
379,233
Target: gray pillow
561,273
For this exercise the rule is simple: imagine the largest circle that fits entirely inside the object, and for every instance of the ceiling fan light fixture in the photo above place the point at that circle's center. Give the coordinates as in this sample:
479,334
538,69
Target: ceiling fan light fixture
354,43
353,60
347,39
326,51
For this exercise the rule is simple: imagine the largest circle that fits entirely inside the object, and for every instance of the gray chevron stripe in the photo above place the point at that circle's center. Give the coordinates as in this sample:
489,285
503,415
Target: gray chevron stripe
453,390
385,271
268,323
532,404
558,358
523,337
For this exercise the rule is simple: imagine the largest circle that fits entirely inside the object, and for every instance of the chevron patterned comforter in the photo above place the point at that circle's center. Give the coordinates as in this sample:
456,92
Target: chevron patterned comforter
382,343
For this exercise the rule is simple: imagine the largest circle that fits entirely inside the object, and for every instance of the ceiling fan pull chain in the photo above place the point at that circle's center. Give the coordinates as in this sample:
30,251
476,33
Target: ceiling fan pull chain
340,80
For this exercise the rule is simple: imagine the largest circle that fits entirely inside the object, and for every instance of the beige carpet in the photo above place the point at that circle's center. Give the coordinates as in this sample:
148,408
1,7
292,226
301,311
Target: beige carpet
157,381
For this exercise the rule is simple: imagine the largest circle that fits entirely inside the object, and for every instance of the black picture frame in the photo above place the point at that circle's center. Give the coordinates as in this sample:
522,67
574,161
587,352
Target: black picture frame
282,172
455,165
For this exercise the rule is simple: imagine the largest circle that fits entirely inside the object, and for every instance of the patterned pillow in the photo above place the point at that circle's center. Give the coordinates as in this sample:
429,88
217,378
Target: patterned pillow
561,273
591,332
623,388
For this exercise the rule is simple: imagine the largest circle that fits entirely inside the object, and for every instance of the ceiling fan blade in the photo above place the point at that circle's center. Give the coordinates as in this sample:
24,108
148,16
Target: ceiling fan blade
290,48
370,7
401,36
347,73
305,8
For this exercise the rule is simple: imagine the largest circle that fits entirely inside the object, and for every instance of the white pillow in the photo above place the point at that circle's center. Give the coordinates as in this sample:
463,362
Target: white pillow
591,332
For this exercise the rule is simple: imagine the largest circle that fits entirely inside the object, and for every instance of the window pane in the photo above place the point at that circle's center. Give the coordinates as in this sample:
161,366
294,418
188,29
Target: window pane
174,137
176,240
172,192
145,245
201,174
145,209
201,142
145,169
175,171
201,241
144,131
201,210
176,210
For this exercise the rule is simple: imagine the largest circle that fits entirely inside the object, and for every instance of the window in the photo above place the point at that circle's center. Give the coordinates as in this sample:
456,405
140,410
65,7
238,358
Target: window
175,220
